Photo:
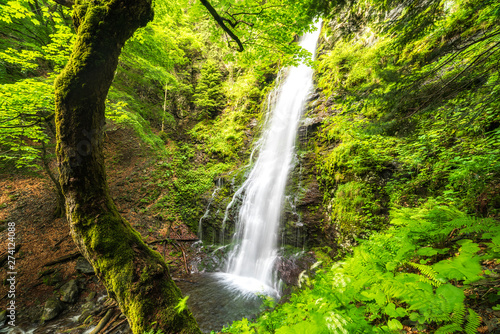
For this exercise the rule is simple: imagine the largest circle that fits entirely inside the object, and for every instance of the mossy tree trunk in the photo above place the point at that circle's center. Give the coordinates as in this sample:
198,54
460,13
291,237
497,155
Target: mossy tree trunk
136,276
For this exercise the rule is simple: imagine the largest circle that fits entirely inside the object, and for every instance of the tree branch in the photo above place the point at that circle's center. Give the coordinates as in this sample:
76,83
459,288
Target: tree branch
19,115
220,21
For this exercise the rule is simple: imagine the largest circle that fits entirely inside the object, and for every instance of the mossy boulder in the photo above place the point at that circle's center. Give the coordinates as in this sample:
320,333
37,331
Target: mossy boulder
53,307
70,292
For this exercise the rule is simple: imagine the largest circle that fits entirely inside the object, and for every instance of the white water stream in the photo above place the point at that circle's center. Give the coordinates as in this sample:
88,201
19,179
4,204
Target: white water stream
251,262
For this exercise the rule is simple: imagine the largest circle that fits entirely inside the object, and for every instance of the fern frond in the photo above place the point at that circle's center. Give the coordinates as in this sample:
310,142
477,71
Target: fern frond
458,315
462,222
473,321
449,329
473,224
428,272
440,317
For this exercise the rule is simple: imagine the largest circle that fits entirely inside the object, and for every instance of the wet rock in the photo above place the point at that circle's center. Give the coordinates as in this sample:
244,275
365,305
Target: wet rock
307,127
90,305
16,331
33,314
253,123
3,317
314,96
211,259
290,268
330,101
312,196
88,309
69,292
53,307
83,266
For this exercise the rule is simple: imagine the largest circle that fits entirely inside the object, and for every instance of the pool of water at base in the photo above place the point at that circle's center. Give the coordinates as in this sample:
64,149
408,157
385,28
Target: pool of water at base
218,299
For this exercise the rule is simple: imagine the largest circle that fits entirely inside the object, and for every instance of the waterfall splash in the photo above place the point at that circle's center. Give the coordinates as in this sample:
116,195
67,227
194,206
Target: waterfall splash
251,262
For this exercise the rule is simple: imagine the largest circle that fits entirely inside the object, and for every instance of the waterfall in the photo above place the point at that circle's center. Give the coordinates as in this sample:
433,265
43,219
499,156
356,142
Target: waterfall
264,190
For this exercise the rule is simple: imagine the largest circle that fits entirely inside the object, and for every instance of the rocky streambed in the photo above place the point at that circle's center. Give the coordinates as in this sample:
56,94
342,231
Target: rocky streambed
77,306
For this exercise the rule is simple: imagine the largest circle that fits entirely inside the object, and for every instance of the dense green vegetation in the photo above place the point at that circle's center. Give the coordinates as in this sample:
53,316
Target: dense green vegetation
173,81
408,162
415,115
407,156
403,275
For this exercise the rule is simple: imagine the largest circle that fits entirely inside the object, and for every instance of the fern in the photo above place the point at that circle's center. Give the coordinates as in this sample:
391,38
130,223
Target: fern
449,329
336,323
461,223
473,321
372,289
427,271
458,314
181,305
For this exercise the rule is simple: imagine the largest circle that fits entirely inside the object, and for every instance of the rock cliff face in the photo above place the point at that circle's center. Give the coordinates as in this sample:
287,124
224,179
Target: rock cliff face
307,216
303,211
216,226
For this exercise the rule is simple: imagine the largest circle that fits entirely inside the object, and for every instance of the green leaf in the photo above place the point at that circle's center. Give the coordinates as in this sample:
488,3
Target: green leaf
451,294
427,251
394,325
390,310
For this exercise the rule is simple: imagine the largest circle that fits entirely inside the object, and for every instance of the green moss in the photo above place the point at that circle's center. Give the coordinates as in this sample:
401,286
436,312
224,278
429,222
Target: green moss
356,209
121,253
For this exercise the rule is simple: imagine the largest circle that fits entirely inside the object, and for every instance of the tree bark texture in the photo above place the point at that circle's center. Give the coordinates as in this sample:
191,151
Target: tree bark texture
136,276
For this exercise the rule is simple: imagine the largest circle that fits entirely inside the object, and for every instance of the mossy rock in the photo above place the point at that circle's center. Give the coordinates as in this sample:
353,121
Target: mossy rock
83,266
53,307
70,292
53,280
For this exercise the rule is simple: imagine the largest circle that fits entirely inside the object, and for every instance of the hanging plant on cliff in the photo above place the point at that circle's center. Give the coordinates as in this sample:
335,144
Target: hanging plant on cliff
209,97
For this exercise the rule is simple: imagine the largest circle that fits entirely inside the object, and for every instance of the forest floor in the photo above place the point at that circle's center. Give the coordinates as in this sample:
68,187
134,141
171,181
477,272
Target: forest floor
30,203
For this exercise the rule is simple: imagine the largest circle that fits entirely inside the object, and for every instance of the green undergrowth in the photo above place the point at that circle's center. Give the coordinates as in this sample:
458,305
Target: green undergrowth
226,136
127,112
411,94
421,272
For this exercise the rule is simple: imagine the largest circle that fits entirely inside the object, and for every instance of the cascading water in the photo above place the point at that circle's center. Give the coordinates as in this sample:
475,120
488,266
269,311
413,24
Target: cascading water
259,217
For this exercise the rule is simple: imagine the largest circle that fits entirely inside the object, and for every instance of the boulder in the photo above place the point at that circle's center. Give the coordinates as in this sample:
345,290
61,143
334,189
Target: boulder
52,280
53,307
83,266
69,292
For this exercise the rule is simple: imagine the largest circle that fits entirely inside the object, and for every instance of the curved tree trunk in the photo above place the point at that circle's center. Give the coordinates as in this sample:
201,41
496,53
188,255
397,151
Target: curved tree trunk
136,276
